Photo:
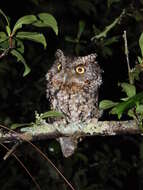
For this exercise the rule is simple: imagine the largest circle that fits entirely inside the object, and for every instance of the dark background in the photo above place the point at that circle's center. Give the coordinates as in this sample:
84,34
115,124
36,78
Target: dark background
99,163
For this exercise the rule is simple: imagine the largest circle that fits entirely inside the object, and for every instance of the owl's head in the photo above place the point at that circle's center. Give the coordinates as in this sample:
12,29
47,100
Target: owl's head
74,73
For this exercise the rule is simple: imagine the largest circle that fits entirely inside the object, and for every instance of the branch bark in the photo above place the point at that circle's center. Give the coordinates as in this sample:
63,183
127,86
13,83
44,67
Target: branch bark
44,130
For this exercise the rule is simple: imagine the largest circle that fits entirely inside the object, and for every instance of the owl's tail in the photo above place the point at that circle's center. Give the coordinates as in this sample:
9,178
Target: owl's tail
68,145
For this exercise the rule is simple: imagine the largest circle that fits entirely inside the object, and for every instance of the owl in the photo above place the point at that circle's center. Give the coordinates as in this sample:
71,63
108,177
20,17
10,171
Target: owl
72,87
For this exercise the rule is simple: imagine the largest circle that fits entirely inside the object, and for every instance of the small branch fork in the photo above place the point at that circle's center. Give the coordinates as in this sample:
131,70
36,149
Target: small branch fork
5,52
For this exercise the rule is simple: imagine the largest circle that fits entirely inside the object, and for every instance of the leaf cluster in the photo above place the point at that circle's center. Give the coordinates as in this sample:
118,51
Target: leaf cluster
11,40
132,104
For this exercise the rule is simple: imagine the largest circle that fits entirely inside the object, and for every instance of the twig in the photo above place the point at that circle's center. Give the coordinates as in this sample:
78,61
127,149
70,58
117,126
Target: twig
127,56
104,33
10,151
24,167
5,52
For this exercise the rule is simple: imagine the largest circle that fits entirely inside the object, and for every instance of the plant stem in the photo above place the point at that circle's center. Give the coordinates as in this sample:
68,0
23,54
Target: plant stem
127,57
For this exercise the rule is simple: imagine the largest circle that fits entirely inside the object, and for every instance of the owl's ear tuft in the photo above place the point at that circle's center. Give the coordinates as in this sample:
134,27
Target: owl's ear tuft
60,58
59,53
91,58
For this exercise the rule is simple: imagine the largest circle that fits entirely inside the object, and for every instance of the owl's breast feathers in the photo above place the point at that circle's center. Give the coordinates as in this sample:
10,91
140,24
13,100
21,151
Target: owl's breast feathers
77,107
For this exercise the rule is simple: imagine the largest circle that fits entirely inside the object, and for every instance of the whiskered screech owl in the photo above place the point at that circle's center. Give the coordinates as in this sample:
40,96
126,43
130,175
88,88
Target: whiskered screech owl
72,87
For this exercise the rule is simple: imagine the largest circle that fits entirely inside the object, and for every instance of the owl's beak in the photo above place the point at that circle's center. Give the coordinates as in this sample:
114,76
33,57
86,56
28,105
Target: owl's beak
65,78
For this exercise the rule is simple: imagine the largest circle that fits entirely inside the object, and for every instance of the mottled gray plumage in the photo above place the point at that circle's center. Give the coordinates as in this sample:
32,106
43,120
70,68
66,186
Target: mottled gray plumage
72,86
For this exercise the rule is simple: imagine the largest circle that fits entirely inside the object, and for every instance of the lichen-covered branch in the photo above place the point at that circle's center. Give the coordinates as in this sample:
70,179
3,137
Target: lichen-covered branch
45,130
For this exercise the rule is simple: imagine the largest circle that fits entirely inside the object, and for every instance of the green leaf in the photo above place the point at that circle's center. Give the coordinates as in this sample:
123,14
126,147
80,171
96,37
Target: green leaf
51,114
81,27
72,40
8,30
28,19
21,59
46,20
17,125
110,2
3,36
120,108
141,43
129,89
131,113
33,36
4,15
4,45
124,99
139,60
139,109
19,46
110,41
106,104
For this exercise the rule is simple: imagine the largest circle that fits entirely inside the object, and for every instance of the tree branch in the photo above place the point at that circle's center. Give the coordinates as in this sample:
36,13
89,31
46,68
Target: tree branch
44,130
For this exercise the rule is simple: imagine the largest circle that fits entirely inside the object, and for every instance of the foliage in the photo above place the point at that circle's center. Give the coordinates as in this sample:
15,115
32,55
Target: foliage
38,119
133,103
12,40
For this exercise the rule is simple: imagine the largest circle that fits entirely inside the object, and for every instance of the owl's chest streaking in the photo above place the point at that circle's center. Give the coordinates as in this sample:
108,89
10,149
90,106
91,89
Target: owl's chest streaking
76,107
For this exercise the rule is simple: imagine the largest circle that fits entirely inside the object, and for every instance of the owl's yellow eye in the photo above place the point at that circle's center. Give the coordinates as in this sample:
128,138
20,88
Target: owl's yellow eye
80,69
59,67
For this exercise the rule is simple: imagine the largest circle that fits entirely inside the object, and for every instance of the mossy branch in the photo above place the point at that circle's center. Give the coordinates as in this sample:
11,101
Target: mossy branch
47,131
